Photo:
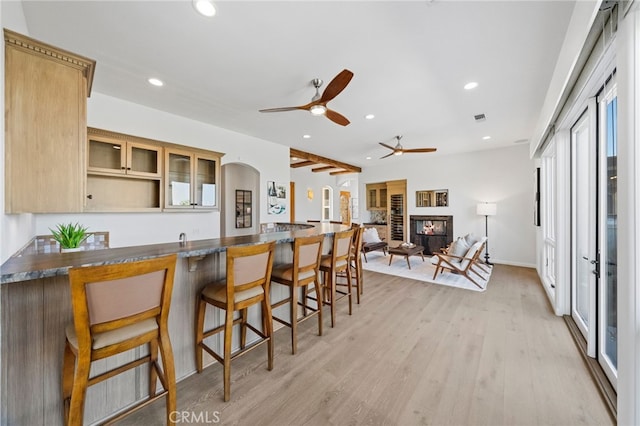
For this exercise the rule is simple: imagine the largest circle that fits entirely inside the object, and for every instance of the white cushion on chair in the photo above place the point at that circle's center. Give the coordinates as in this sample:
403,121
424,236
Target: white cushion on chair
471,239
458,248
285,272
102,340
470,253
218,291
370,235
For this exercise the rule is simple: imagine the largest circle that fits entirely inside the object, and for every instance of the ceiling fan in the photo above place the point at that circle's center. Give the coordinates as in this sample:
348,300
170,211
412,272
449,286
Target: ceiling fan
399,150
318,104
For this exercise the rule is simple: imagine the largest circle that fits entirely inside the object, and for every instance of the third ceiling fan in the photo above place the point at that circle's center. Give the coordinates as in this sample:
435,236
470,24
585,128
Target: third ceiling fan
399,149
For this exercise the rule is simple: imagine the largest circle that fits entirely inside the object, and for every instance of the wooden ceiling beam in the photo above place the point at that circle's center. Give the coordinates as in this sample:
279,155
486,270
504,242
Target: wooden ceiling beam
323,160
341,172
323,169
302,164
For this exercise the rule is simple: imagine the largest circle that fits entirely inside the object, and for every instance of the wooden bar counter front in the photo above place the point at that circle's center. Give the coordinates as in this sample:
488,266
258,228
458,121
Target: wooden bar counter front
36,307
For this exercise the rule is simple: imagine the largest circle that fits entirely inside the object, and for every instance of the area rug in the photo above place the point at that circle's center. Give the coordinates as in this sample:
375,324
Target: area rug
422,271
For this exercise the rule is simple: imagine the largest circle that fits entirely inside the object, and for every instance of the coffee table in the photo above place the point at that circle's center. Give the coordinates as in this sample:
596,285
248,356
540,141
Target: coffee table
406,252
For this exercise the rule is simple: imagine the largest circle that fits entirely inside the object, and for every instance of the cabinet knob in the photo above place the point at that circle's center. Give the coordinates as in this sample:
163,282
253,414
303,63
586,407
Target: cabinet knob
90,196
123,167
128,168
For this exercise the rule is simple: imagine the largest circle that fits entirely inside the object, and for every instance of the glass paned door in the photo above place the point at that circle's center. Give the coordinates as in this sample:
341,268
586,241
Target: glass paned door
179,178
608,180
583,283
205,182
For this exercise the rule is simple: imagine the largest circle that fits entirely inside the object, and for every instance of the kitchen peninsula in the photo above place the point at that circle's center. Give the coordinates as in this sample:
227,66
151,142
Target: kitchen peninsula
36,308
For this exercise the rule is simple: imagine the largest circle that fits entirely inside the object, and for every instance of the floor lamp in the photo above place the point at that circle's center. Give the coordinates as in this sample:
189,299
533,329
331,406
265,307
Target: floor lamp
486,210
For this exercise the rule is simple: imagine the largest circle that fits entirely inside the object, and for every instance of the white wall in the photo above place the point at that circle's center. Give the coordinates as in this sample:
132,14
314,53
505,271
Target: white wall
13,228
504,176
306,180
269,159
628,215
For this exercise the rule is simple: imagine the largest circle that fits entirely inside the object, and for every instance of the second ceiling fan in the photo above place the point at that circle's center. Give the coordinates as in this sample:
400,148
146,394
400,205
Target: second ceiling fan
318,104
399,149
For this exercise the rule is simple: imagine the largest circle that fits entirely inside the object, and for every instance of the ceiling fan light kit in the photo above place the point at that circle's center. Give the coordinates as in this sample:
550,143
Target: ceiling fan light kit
318,110
318,104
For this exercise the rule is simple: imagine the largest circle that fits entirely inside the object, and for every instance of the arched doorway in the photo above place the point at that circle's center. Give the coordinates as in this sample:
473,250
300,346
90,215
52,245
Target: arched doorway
246,180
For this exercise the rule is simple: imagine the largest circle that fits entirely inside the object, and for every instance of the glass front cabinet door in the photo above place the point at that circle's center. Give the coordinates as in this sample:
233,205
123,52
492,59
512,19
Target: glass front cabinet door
114,156
192,180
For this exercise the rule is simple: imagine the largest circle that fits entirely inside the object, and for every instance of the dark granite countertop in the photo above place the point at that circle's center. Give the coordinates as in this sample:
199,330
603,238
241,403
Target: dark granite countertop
30,267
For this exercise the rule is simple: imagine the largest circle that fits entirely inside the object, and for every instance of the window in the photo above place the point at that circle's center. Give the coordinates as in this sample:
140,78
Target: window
327,203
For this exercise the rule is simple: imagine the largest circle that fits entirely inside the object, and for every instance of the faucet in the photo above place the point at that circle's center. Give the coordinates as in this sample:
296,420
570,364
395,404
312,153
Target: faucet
183,238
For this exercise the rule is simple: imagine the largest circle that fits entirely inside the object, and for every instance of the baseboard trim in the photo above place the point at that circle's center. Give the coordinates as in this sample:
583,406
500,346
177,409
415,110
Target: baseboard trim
507,262
600,379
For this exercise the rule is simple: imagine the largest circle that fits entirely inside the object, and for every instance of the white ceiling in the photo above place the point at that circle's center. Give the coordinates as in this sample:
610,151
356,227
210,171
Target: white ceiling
410,60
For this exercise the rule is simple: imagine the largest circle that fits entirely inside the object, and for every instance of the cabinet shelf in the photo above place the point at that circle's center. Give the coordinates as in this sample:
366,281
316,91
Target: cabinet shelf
120,193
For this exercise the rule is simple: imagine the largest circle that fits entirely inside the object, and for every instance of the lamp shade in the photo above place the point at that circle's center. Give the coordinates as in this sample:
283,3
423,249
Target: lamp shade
487,209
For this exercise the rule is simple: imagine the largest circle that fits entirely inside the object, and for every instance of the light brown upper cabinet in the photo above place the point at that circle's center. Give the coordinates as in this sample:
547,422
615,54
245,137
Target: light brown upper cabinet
124,172
110,154
46,92
192,179
377,196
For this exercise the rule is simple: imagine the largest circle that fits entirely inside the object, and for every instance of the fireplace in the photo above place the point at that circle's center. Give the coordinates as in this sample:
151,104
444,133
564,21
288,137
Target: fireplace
431,232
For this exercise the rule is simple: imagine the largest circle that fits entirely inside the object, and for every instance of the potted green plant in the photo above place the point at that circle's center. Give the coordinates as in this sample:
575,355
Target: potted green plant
70,236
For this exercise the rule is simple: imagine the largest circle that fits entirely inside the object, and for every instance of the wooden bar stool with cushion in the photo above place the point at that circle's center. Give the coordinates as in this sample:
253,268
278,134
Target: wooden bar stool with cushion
304,271
117,308
331,265
355,261
247,284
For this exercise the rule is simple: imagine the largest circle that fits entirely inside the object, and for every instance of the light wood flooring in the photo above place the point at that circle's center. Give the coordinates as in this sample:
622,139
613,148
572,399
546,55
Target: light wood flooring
412,353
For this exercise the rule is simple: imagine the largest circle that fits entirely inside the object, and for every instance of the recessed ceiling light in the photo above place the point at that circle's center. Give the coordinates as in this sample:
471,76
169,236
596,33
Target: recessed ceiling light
205,7
471,85
369,116
306,136
486,138
294,158
368,158
156,82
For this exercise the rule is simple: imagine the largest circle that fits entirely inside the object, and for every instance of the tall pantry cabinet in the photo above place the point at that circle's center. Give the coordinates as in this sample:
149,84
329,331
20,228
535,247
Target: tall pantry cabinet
46,92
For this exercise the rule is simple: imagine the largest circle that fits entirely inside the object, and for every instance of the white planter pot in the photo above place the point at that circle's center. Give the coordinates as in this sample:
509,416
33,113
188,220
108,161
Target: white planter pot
71,250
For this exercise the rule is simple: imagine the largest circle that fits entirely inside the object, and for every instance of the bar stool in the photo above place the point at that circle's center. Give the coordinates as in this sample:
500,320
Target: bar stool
246,284
331,265
299,275
117,308
355,261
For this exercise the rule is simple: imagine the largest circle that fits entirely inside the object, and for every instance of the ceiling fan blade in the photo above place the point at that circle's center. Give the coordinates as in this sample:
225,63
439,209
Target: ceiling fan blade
336,85
387,146
388,155
420,150
282,109
336,117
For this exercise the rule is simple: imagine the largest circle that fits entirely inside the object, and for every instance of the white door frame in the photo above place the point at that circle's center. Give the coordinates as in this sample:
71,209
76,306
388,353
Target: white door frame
584,254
